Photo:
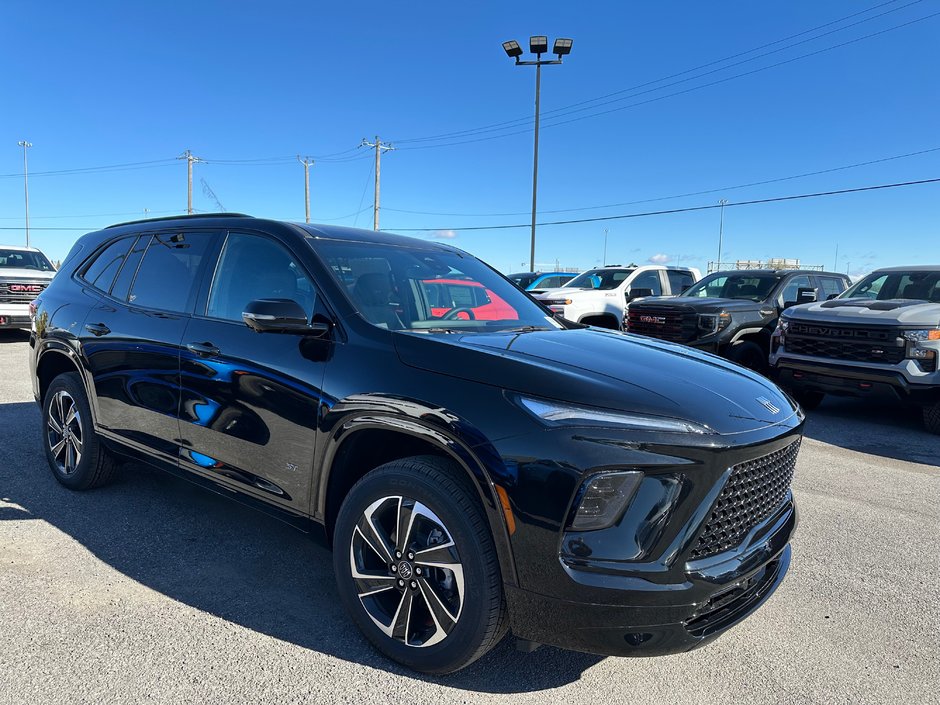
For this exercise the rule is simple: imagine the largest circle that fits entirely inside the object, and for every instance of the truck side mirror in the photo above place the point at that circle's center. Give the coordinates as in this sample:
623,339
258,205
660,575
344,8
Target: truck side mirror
831,297
804,295
635,293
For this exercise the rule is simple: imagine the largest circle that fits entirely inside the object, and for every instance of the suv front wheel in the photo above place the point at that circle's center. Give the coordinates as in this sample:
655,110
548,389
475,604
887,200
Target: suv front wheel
416,566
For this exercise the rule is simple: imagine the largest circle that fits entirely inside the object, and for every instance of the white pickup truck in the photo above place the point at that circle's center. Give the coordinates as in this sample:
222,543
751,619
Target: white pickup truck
24,273
600,297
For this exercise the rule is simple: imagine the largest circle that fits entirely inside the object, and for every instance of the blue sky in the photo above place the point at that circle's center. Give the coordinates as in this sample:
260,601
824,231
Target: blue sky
95,84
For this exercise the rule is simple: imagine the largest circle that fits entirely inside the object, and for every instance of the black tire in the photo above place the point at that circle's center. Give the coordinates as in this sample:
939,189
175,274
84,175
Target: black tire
75,454
808,399
426,644
932,417
748,354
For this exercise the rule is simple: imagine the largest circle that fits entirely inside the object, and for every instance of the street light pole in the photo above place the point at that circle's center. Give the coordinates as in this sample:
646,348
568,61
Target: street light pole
306,161
538,45
721,227
26,145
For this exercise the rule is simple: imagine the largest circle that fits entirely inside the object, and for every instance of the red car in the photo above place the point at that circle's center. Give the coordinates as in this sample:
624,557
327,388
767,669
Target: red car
470,298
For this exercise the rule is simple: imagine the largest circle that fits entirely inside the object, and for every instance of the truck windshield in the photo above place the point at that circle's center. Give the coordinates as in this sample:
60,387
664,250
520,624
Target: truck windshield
429,290
920,286
25,259
599,279
723,285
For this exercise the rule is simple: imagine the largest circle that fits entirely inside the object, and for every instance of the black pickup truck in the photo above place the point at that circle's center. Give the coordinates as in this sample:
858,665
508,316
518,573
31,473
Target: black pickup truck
733,313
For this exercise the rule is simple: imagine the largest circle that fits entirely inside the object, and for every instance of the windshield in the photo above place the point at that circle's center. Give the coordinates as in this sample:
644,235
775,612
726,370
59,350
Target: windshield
523,281
25,259
723,285
600,279
399,288
920,286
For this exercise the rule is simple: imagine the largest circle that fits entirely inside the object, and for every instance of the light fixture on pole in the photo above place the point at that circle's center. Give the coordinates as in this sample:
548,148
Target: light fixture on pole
26,145
538,45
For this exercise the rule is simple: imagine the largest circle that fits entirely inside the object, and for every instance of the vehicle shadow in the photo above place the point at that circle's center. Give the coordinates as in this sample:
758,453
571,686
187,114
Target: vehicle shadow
218,556
13,335
888,429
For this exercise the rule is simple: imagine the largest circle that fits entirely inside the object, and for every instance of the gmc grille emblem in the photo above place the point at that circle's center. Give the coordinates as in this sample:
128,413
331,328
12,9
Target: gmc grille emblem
658,320
29,288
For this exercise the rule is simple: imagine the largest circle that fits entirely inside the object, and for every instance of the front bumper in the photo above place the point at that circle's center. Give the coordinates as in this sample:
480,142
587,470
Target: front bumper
847,380
716,594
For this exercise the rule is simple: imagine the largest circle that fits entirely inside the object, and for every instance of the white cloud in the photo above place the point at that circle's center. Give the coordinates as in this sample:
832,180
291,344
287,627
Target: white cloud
659,258
444,234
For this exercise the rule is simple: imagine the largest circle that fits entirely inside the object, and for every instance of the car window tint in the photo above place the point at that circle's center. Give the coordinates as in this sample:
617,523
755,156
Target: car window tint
678,281
648,280
793,286
100,273
125,277
831,285
166,277
253,267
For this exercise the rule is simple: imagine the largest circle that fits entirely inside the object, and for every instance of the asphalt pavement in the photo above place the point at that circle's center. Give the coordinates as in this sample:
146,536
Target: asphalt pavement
154,590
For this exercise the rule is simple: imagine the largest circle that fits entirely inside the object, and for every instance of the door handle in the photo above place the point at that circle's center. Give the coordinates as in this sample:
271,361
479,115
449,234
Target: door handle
203,349
97,329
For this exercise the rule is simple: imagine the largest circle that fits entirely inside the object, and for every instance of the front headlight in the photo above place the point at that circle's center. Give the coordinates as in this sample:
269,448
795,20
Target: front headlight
783,325
554,413
921,335
710,323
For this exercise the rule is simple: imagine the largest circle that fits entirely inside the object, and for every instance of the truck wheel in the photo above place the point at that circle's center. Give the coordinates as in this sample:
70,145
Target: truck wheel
932,417
748,354
809,400
75,454
416,566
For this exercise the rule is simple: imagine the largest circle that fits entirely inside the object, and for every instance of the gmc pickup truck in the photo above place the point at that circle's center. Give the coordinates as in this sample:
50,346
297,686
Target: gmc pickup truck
880,337
24,273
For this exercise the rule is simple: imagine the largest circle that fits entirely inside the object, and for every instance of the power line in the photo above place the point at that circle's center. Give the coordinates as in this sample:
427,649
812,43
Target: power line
557,123
564,109
679,195
109,167
676,210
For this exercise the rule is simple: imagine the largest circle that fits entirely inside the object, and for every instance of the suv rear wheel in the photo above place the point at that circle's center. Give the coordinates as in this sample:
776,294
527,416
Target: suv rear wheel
75,454
416,566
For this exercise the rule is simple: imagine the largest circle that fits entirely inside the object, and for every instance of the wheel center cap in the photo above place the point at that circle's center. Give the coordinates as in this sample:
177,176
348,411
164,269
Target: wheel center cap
405,570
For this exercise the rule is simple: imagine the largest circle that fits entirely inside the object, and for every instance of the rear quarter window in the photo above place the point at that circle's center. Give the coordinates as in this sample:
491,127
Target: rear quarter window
102,269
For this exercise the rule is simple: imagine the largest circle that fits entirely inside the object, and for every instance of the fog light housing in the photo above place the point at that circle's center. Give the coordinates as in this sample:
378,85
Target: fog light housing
603,500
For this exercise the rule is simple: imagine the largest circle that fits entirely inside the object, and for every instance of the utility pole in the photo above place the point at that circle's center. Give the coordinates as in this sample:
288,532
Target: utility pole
835,264
380,146
307,162
26,145
188,156
721,227
604,261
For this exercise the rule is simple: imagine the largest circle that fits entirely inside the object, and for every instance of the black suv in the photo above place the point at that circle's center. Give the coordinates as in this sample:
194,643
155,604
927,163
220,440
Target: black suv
578,487
734,313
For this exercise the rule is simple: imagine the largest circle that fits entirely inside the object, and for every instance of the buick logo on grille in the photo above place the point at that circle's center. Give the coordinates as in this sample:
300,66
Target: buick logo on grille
28,288
658,320
769,405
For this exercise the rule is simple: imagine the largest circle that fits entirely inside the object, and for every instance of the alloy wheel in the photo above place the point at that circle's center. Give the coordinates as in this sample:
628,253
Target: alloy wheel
64,432
407,571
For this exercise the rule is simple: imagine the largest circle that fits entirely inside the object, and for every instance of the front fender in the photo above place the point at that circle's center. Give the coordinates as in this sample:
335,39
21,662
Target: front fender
446,431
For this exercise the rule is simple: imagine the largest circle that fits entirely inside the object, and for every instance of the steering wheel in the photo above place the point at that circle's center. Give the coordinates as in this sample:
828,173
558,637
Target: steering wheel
452,314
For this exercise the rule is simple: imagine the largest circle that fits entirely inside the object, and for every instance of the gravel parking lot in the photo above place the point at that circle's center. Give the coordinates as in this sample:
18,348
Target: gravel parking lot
152,590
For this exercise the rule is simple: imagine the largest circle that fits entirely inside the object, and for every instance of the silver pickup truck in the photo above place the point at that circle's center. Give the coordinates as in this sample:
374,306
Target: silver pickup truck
880,337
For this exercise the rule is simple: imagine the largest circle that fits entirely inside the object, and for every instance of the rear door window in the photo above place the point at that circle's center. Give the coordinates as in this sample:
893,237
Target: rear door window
167,275
648,280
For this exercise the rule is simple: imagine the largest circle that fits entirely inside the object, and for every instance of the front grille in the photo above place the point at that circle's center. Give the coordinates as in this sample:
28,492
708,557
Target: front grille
856,344
20,292
663,323
754,491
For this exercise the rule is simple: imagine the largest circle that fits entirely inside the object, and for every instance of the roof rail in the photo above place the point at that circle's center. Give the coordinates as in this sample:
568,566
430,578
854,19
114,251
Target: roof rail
181,217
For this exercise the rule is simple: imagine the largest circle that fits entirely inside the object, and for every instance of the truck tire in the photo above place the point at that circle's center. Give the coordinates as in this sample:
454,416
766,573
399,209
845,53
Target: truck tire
808,399
749,354
932,417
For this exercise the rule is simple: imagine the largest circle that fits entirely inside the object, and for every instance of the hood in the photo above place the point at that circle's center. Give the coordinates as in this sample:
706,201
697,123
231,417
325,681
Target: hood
24,274
696,304
609,370
566,291
860,311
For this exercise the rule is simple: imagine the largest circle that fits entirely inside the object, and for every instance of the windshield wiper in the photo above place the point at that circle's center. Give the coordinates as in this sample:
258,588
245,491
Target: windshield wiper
437,330
526,329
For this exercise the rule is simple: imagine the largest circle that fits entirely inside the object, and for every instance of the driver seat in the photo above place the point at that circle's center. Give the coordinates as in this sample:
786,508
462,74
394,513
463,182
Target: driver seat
373,292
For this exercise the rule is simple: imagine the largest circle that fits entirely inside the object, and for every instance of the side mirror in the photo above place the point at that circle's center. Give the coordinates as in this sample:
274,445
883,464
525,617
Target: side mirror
685,289
831,297
635,293
804,295
280,316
